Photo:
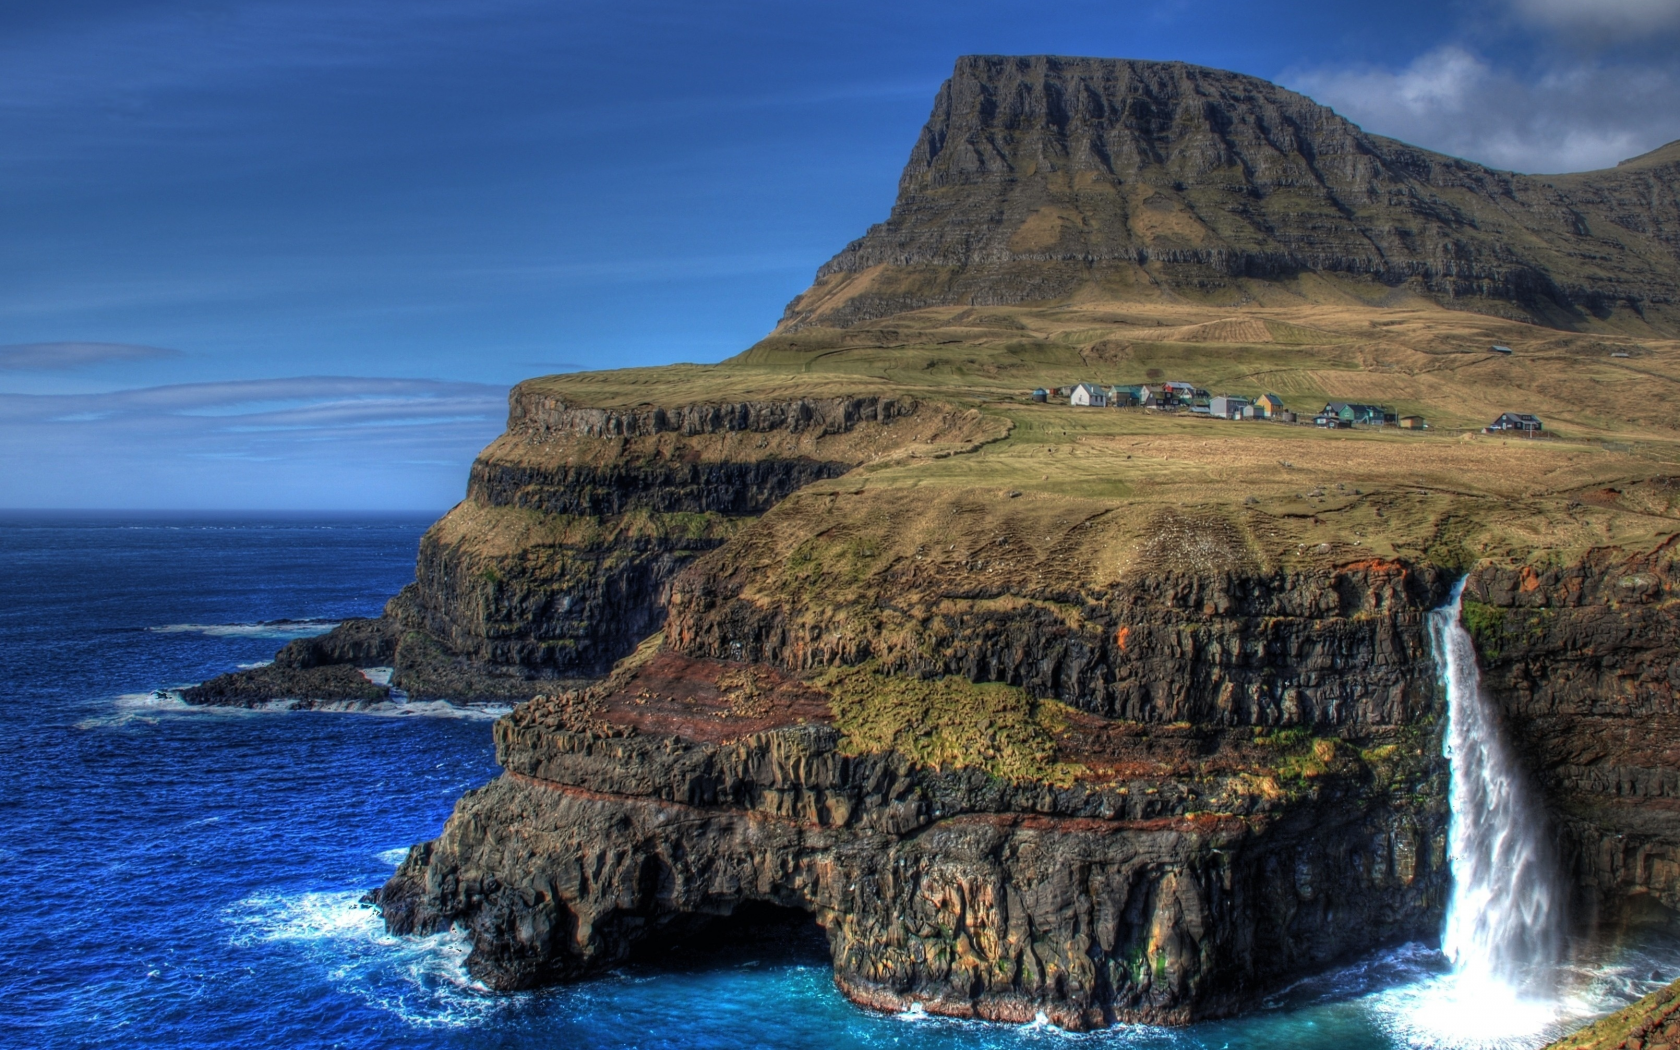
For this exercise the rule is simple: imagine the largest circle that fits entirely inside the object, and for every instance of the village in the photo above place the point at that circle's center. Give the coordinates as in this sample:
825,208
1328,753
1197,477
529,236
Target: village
1189,398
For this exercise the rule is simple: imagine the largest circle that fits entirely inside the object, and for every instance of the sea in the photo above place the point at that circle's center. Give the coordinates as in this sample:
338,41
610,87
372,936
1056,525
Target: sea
185,878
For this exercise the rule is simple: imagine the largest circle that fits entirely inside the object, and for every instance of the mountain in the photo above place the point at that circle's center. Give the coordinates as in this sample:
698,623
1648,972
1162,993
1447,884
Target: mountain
1043,178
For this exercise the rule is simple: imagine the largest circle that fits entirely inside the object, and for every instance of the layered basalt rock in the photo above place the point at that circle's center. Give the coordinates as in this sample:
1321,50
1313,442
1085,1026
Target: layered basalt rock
1327,647
1584,662
1177,877
1037,177
576,520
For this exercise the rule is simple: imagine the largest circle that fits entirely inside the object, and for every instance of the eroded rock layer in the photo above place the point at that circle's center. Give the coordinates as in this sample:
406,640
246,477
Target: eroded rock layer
1169,878
576,520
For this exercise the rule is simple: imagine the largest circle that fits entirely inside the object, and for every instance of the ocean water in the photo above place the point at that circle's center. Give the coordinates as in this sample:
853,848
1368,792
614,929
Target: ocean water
190,878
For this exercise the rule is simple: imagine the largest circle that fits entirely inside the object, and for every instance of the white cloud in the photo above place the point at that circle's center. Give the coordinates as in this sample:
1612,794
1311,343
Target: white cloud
52,357
1573,117
1601,20
307,443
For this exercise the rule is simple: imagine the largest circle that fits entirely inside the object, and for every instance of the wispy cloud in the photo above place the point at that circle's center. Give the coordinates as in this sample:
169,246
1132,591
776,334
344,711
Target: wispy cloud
1601,21
52,357
322,441
1574,116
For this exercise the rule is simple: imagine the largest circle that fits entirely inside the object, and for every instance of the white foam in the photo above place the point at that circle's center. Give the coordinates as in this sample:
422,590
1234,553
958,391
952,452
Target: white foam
914,1012
1459,1011
1470,1011
404,708
377,675
287,629
146,708
393,857
422,980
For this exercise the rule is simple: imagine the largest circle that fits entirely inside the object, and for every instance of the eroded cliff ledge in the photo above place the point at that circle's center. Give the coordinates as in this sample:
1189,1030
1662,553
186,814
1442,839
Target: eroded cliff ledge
973,849
575,521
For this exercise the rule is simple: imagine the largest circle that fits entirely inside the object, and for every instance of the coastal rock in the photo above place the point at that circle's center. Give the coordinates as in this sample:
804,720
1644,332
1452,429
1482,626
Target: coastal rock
627,815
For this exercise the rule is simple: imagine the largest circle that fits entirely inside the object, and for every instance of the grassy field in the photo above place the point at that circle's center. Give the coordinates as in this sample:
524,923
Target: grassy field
1420,359
1604,474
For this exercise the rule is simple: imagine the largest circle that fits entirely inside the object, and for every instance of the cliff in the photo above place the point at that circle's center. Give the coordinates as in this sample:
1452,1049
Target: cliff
1041,178
557,562
1035,859
1105,714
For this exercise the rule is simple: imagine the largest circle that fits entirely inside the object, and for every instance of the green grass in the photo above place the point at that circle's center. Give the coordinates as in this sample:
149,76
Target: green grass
948,723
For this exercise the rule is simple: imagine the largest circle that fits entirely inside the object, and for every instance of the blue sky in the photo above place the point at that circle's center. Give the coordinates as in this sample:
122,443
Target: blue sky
284,254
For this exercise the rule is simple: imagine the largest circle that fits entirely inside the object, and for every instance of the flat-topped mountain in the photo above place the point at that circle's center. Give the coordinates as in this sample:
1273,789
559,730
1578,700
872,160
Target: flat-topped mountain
1042,178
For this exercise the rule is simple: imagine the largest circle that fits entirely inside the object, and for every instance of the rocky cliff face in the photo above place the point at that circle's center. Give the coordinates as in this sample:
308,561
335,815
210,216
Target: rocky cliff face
1584,660
1040,176
1175,874
576,520
1236,776
1185,789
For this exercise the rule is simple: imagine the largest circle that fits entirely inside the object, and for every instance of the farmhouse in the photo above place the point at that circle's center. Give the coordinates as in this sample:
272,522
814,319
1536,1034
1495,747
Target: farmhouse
1515,422
1268,406
1089,396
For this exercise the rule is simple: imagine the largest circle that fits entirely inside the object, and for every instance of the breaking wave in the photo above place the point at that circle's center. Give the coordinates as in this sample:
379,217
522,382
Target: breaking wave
422,980
277,629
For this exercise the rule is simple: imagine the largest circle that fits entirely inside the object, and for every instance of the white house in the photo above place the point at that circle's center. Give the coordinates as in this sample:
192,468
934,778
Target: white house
1089,396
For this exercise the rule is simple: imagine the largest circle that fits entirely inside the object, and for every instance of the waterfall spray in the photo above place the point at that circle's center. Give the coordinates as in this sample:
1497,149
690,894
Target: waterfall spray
1504,917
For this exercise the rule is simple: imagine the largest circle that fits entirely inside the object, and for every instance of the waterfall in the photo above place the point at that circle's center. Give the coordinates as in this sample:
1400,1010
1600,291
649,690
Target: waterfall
1503,925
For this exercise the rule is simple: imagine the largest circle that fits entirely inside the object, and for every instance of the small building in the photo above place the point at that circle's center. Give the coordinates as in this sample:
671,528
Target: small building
1088,396
1226,407
1360,415
1331,420
1413,423
1515,422
1285,416
1496,348
1125,396
1041,395
1267,406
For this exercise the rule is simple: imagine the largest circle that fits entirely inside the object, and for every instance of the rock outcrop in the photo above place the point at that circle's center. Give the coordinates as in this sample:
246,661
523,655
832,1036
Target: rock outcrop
1039,177
1173,877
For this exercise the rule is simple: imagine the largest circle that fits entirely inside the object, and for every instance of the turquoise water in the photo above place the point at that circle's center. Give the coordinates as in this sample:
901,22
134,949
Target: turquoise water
188,878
